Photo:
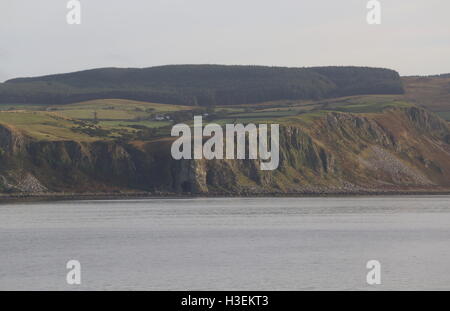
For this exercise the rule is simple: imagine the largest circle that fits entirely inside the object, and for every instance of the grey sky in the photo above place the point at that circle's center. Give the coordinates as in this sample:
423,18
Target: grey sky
414,37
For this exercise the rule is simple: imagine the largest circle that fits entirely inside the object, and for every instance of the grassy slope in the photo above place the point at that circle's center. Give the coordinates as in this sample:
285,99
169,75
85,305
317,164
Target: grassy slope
121,116
114,109
60,122
355,149
432,93
304,112
43,125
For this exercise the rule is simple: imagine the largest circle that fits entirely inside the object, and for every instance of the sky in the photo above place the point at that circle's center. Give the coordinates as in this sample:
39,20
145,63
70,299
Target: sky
35,38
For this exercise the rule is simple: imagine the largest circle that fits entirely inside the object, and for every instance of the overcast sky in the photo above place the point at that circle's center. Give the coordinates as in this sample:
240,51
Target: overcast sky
35,39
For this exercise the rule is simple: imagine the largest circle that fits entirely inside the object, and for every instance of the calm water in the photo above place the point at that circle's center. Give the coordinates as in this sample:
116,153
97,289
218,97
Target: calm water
227,244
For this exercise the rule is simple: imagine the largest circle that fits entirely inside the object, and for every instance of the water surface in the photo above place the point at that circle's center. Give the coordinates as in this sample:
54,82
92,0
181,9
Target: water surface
227,244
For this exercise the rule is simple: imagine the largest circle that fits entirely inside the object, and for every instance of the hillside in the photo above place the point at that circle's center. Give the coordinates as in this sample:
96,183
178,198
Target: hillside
431,92
342,130
201,85
363,144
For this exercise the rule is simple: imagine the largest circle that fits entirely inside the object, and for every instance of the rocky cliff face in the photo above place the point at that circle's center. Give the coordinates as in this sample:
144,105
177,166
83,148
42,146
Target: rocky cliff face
398,150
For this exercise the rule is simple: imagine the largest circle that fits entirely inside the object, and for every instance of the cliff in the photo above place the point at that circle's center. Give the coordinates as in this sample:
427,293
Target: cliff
400,149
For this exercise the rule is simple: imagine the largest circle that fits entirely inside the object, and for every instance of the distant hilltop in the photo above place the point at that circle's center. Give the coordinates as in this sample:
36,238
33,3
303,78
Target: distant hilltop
202,85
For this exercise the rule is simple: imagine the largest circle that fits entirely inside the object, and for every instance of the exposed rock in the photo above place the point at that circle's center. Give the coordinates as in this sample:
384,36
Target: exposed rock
21,182
401,173
11,140
399,149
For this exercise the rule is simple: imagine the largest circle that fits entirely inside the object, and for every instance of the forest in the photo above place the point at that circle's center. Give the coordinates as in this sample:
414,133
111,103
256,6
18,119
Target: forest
201,85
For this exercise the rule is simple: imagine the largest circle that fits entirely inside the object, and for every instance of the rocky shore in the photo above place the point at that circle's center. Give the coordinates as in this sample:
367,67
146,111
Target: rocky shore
399,151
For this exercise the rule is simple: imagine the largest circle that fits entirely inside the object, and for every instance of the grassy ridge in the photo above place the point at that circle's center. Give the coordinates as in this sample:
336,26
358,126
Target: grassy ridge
132,120
44,125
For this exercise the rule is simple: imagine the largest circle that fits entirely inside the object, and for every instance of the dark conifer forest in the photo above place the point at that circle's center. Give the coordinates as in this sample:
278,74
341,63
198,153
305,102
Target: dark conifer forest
202,85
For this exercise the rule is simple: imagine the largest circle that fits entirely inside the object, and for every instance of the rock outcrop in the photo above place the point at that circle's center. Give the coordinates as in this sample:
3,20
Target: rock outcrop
402,149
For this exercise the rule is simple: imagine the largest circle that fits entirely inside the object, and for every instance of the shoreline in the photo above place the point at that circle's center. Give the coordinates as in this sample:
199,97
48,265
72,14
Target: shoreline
52,197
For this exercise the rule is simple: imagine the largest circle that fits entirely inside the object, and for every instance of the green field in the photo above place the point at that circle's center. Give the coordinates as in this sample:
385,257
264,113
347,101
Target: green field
266,114
125,124
125,119
365,104
114,109
43,125
91,120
